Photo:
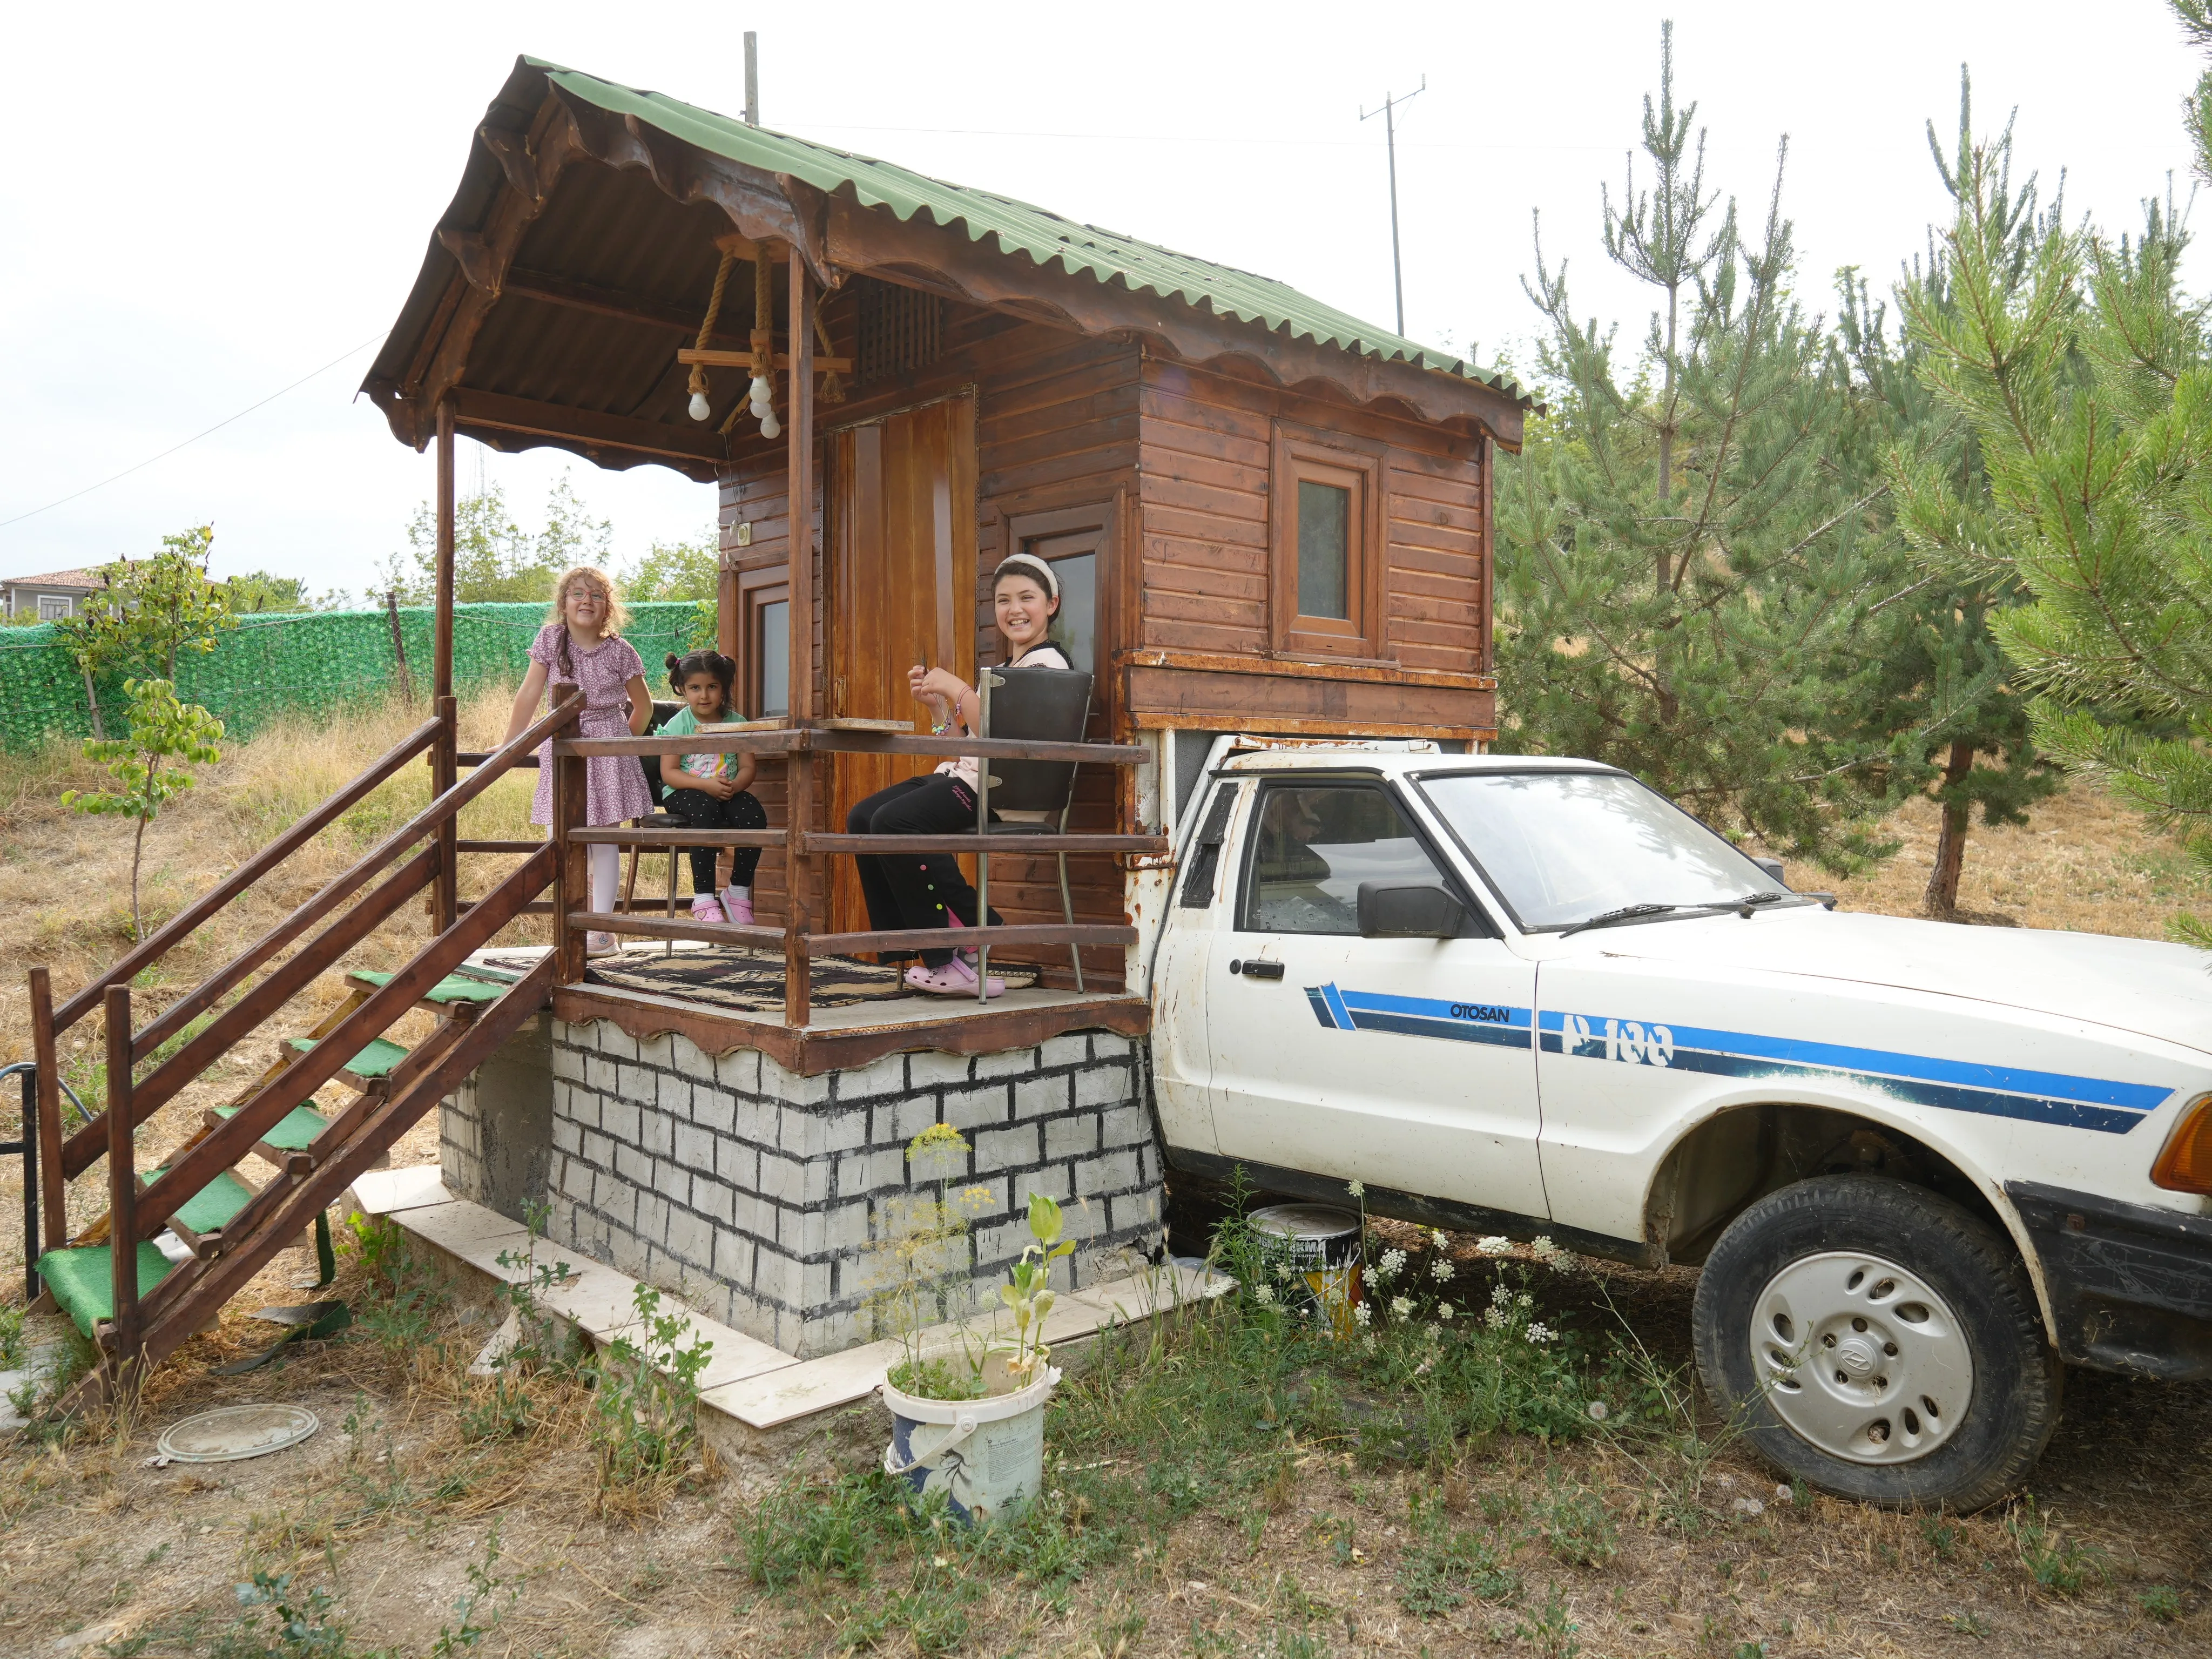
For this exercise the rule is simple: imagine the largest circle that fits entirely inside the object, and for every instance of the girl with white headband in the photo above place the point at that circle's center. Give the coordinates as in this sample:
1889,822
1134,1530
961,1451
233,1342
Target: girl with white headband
929,890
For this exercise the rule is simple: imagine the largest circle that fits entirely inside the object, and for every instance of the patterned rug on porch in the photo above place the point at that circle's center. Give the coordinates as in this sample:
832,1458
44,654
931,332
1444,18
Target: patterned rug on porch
752,981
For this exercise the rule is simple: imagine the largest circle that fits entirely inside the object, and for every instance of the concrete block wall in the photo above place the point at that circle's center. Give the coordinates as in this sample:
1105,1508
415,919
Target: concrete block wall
764,1198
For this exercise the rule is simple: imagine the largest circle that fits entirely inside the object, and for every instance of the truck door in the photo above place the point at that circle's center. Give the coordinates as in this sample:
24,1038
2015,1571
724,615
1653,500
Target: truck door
1404,1063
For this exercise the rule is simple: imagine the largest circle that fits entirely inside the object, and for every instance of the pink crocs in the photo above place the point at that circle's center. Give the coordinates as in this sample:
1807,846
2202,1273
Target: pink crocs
709,908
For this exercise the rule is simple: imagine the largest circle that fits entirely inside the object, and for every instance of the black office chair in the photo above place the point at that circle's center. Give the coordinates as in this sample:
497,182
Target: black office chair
1031,798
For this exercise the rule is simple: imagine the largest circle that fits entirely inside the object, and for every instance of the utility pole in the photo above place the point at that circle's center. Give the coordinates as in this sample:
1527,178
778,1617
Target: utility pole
752,79
1389,113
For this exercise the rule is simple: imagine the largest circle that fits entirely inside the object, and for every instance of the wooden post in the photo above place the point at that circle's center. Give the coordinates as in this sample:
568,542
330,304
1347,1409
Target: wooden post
122,1184
54,1181
445,905
572,888
801,867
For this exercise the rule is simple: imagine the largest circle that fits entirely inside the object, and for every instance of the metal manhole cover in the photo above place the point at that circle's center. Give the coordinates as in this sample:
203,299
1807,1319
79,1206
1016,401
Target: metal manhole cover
237,1431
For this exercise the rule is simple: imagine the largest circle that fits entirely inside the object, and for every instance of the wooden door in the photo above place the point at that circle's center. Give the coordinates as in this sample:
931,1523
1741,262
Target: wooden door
902,587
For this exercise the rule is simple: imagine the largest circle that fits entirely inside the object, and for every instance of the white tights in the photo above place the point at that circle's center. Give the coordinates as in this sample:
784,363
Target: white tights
606,869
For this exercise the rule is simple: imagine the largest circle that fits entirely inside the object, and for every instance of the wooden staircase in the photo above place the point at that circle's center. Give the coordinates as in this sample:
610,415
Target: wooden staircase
121,1288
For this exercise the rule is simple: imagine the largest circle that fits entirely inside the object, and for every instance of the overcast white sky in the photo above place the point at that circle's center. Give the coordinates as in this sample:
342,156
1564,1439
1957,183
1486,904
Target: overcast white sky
209,203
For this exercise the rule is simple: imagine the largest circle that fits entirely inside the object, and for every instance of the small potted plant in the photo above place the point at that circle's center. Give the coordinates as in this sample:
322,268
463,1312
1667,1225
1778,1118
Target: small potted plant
969,1420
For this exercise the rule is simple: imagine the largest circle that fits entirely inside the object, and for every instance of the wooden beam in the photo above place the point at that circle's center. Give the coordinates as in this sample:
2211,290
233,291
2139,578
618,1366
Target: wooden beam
1011,845
1299,668
53,1184
122,1184
498,412
512,151
623,307
647,926
938,938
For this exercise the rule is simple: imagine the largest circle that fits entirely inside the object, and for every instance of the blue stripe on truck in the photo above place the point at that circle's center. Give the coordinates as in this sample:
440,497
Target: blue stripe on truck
1492,1022
2106,1105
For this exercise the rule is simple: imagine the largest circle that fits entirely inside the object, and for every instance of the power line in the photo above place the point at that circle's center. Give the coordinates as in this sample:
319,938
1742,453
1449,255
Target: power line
1389,113
1181,137
197,436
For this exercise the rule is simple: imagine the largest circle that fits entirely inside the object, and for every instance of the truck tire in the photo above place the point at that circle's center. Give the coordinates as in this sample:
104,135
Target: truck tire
1880,1342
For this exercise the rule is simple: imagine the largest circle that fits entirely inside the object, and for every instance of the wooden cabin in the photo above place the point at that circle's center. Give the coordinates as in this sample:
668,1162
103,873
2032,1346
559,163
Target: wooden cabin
1269,516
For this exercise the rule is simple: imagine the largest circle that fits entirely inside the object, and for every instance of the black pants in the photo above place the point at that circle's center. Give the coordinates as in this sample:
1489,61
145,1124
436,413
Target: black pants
915,890
701,811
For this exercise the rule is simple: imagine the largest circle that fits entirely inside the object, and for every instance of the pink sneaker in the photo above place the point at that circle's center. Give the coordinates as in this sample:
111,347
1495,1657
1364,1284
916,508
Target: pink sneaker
709,908
740,909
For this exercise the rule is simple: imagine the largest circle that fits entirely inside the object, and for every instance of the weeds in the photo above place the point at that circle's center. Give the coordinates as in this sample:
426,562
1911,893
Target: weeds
2059,1563
1552,1631
2161,1603
645,1398
282,1623
12,1355
1576,1526
1443,1567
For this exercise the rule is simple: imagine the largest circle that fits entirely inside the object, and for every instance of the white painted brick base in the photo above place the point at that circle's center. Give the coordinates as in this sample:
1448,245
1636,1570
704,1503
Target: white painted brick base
761,1196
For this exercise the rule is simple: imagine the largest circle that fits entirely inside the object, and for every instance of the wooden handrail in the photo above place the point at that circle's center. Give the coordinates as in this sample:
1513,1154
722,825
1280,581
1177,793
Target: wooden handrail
938,938
478,756
336,892
645,926
236,1022
233,1138
1011,845
180,925
616,835
804,740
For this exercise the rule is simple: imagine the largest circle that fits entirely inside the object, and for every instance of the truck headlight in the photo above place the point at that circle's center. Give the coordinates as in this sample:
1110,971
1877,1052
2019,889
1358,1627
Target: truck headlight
2184,1163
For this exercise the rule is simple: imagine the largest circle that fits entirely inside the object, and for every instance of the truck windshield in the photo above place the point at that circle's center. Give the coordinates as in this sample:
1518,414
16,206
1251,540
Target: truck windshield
1565,849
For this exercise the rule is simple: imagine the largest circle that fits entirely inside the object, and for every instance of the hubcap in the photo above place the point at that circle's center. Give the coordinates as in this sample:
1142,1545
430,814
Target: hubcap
1860,1358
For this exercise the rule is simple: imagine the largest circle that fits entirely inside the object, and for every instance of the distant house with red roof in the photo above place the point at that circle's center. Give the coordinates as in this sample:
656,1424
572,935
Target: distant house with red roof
57,594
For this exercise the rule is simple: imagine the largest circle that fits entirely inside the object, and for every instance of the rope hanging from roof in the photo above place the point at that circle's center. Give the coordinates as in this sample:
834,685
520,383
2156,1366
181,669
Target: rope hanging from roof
833,388
698,384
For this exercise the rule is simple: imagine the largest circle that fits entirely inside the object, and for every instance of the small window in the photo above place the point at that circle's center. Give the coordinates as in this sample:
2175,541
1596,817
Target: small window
1312,846
1324,549
772,651
52,608
1074,560
1328,541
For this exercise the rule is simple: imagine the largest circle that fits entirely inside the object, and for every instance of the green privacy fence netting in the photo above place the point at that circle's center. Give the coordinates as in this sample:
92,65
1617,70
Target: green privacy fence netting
272,666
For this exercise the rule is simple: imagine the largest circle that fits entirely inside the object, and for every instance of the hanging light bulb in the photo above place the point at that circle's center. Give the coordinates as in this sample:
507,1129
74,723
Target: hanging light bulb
770,427
701,408
763,395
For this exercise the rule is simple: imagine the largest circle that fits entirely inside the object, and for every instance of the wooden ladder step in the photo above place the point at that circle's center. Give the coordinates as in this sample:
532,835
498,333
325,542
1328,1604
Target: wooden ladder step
295,1134
467,989
366,1071
83,1284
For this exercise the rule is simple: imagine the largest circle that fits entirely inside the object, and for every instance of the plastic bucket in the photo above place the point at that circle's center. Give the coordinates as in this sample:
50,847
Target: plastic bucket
1318,1245
986,1455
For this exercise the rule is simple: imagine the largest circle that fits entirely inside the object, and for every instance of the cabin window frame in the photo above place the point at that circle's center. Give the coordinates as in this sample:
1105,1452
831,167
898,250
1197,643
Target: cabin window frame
757,589
1309,454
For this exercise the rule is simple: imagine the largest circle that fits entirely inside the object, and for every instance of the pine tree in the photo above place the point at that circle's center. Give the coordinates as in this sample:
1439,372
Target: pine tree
1959,720
2083,374
1686,552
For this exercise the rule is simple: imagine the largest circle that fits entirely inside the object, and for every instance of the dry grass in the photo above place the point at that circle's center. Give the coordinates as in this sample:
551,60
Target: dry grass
389,1515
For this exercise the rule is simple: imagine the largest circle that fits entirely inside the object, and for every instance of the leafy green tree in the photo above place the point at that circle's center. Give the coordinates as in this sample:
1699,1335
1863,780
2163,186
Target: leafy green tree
1687,553
495,559
678,570
2083,374
150,767
151,612
1945,696
257,592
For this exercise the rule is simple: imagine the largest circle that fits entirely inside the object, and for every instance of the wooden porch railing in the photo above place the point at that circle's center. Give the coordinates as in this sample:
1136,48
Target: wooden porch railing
131,1103
803,847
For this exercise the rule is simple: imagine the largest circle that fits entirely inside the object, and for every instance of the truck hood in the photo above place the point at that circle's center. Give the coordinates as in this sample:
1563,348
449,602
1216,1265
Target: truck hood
2142,986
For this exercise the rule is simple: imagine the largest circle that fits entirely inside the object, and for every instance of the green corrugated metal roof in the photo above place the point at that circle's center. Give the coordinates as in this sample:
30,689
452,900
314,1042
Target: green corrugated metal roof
1019,227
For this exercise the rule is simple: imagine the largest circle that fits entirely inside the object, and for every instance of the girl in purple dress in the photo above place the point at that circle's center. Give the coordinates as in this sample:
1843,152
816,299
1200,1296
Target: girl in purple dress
582,645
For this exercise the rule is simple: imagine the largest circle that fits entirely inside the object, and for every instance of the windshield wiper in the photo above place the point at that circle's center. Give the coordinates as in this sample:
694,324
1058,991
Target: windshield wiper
1626,913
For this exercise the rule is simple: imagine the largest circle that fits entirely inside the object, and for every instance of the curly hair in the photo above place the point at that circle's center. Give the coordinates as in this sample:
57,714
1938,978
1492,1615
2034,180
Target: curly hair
617,612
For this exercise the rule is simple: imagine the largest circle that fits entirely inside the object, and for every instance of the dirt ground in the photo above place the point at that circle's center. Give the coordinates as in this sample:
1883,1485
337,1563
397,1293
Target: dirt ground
388,1508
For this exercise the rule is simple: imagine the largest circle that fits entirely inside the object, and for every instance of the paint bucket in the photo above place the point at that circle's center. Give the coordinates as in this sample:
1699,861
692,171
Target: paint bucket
1312,1255
986,1455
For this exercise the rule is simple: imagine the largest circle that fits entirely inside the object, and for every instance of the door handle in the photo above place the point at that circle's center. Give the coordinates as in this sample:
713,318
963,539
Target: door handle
1256,969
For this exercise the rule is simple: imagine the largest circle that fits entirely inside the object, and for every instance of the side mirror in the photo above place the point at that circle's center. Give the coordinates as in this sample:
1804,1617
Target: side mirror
1773,868
1390,910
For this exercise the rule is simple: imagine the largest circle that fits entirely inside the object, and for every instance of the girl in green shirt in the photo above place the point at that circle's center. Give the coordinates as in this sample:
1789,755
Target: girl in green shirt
709,792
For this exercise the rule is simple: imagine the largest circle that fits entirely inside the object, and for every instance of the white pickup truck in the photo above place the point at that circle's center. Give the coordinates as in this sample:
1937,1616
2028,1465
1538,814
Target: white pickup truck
1924,1166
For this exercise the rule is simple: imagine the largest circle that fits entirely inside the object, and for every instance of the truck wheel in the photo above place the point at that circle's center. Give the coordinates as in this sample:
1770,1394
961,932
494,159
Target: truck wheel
1879,1341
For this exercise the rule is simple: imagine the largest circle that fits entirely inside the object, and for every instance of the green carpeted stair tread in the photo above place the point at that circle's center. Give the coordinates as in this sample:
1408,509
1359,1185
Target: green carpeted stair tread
295,1133
81,1280
454,987
212,1208
376,1061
